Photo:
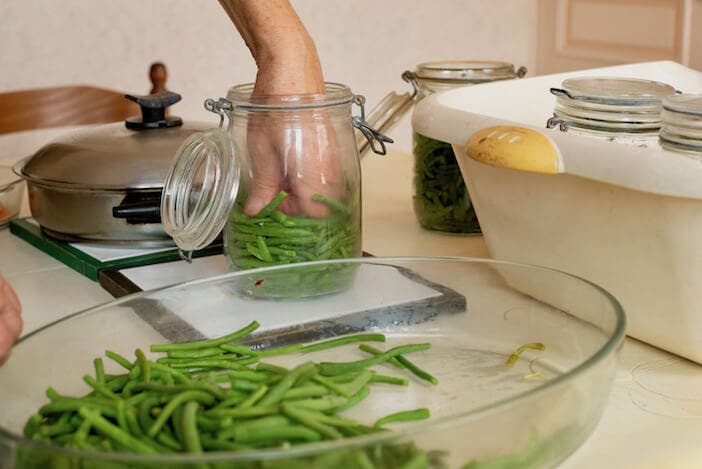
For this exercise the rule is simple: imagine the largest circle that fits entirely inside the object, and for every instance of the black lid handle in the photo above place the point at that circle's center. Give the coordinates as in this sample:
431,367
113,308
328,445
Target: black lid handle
153,111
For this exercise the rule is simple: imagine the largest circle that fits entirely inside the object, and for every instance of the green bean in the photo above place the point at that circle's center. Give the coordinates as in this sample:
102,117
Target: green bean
343,341
191,438
117,384
257,411
239,349
82,433
271,368
330,368
173,404
119,359
376,378
355,385
254,397
263,249
324,403
99,370
405,416
272,205
277,433
276,393
122,415
213,389
100,388
302,392
68,404
55,429
277,232
200,344
199,353
144,364
328,419
114,433
263,422
169,442
309,421
331,203
404,363
209,443
234,399
208,363
355,399
335,388
280,350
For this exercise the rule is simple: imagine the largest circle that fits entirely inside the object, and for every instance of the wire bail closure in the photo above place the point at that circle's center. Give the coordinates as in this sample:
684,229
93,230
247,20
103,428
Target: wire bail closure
223,108
557,121
376,139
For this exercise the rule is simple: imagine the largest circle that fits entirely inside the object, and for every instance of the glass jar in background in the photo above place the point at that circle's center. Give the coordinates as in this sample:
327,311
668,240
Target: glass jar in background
441,200
283,182
681,128
622,110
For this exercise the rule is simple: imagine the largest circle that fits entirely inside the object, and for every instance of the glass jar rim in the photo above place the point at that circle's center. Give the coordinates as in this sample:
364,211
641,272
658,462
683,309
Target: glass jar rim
335,94
464,71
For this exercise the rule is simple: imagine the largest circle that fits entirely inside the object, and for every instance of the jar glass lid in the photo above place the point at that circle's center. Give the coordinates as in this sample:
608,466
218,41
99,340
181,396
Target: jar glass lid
620,91
466,71
684,104
200,189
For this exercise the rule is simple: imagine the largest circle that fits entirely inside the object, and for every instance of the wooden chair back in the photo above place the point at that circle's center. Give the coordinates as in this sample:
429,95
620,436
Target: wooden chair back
70,105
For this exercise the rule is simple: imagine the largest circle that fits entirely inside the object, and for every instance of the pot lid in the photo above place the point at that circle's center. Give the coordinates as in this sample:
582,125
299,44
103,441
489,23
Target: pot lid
135,154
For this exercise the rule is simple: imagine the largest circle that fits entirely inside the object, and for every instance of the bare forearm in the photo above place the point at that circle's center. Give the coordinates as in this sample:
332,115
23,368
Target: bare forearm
283,50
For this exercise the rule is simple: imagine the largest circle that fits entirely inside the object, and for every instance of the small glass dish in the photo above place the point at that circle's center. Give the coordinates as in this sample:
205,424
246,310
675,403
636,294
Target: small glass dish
486,410
11,190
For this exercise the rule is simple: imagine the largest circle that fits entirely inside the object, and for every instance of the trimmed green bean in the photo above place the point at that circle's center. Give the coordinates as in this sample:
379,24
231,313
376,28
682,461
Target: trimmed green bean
277,433
308,420
119,359
99,370
404,363
343,341
254,397
200,344
191,438
330,368
277,392
144,365
405,416
355,399
115,433
173,404
272,205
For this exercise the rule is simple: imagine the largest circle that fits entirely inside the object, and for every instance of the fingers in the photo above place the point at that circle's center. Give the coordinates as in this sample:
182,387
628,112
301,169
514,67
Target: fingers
320,170
265,167
10,319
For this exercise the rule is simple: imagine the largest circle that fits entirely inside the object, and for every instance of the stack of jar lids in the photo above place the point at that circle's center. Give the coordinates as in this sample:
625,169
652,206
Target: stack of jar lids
611,105
682,123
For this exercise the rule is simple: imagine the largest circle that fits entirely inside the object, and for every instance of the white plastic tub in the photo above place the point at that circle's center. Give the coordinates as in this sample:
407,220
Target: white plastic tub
626,216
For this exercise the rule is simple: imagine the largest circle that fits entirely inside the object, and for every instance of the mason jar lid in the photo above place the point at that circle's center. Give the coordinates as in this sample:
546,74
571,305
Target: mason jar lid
616,90
690,104
200,189
466,71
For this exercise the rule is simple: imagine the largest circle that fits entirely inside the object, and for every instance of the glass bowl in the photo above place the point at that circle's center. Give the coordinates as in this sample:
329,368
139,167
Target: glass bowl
11,189
474,312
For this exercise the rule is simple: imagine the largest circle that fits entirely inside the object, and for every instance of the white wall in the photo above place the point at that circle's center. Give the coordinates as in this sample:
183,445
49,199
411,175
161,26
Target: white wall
364,43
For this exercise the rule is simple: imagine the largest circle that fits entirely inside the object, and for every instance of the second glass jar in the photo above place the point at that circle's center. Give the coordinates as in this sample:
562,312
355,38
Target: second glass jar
441,200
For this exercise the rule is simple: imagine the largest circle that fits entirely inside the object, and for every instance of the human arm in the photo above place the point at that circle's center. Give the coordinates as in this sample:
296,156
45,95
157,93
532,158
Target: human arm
287,65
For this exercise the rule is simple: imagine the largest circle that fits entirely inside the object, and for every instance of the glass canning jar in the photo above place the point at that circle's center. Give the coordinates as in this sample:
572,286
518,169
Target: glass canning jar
625,110
441,200
282,181
681,128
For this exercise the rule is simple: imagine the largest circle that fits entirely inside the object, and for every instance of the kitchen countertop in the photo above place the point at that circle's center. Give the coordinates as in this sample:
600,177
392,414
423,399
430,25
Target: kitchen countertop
653,417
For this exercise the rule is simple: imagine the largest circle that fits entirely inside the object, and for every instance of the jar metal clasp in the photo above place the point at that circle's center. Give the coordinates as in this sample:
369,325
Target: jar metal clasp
376,140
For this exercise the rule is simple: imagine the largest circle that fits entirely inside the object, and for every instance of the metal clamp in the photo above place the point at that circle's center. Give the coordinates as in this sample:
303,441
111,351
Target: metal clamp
410,78
521,71
223,108
557,121
375,139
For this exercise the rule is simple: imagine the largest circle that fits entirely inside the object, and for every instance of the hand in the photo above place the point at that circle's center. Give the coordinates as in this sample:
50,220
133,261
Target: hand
302,161
10,319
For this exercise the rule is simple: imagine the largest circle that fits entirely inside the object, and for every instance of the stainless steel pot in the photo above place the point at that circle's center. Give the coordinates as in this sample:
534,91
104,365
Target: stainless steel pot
103,184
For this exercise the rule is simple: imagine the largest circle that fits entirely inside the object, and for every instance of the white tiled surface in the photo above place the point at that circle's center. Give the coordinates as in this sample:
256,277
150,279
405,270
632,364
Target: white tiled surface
652,421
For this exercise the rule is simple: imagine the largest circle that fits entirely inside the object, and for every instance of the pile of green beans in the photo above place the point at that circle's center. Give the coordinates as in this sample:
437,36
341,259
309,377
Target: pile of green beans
441,200
274,238
219,395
